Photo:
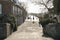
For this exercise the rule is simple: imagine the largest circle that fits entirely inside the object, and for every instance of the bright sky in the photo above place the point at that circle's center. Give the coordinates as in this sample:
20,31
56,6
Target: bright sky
33,7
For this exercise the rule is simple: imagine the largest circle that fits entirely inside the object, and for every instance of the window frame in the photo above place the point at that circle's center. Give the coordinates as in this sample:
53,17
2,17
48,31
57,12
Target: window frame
0,8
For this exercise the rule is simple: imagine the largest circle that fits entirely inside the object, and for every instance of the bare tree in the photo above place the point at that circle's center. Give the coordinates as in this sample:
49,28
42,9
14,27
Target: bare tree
45,4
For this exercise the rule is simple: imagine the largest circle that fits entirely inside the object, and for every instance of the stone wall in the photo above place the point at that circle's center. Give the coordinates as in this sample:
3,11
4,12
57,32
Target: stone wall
4,30
52,30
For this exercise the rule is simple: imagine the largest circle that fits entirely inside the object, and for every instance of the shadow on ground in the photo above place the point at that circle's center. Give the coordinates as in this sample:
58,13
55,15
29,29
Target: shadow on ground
50,37
1,39
56,39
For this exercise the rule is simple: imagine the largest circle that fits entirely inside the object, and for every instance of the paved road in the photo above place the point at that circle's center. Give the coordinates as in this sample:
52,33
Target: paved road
28,31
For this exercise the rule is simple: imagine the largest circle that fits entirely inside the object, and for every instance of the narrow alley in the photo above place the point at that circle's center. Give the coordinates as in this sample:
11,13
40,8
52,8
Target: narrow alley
24,19
28,31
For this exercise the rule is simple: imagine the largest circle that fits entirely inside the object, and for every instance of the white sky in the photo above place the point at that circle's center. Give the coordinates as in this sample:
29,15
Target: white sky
33,7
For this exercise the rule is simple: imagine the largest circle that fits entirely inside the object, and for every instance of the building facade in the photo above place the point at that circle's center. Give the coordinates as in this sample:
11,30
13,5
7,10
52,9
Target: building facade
12,15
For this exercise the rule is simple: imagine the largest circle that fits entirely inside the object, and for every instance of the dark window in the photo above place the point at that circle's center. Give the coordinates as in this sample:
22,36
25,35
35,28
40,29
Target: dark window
15,11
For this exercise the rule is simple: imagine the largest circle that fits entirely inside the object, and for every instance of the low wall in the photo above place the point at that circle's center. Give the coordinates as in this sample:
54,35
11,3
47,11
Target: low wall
4,30
52,30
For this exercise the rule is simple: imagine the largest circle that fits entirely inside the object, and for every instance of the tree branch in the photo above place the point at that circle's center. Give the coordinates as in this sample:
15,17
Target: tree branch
48,1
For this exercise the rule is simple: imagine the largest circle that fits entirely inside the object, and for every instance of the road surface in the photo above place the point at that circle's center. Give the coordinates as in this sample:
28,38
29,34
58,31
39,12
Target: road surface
28,31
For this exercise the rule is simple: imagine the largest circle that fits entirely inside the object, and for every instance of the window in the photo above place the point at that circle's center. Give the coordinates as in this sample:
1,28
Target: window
15,10
0,9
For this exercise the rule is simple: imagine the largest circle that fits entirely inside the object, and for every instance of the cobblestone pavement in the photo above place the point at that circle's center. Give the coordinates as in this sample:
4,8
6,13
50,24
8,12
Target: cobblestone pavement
28,31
